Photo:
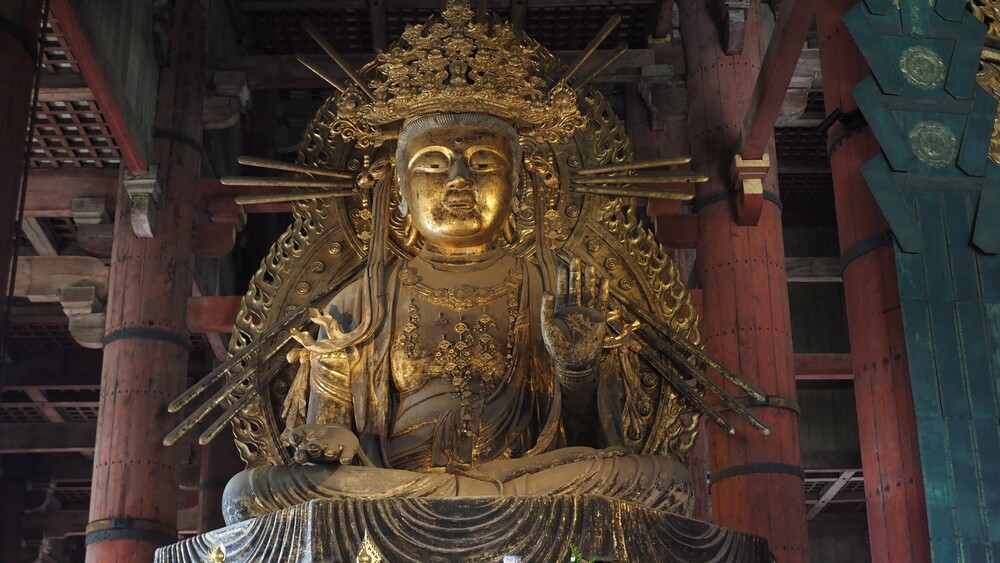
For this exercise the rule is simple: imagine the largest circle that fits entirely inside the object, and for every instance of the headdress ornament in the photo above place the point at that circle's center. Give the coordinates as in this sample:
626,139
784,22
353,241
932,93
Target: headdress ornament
457,64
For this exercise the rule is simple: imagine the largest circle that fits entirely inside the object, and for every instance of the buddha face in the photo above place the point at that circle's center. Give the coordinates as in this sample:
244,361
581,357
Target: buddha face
458,185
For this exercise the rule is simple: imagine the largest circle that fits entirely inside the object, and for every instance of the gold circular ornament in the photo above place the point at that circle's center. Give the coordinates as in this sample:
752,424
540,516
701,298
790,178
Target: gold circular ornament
933,143
922,67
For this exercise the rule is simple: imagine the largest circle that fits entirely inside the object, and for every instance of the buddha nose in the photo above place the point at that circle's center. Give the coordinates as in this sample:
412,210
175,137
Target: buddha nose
459,176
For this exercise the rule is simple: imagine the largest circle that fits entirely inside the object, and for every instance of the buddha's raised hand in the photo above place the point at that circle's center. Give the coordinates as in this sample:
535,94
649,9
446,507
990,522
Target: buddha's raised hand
575,321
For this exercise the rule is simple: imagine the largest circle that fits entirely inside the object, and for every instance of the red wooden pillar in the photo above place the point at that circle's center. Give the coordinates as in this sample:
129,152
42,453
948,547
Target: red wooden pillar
890,458
133,507
18,47
756,480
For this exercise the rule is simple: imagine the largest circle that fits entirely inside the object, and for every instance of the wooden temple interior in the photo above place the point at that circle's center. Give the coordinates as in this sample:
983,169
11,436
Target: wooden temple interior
122,86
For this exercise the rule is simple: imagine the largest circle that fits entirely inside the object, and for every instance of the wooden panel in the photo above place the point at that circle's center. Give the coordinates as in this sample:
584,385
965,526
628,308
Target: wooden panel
819,318
829,426
953,364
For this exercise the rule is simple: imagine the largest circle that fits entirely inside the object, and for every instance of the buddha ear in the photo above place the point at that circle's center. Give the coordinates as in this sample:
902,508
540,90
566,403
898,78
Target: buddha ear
403,206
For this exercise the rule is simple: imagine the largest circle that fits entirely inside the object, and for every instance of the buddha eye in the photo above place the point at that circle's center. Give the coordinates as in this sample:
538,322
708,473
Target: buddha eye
431,162
485,160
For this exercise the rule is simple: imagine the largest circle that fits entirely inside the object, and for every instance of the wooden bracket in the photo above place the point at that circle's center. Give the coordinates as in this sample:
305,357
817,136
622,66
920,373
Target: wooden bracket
734,20
85,309
748,178
144,191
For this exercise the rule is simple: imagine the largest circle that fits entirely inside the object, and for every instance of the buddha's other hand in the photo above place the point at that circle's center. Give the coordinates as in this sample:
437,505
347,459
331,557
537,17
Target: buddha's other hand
574,323
324,443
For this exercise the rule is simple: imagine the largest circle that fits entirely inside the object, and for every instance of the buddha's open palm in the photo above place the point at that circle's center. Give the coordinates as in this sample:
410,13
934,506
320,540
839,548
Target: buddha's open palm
575,321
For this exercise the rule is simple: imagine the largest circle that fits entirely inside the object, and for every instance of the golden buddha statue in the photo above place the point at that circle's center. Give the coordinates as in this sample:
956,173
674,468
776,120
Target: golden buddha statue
488,317
477,382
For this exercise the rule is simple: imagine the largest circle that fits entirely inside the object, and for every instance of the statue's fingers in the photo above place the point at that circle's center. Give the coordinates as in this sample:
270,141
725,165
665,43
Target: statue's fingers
590,287
301,456
548,307
347,455
314,450
561,286
575,282
603,295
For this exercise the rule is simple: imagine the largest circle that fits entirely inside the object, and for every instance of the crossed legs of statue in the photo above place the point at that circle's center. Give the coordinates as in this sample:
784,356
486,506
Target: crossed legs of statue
658,482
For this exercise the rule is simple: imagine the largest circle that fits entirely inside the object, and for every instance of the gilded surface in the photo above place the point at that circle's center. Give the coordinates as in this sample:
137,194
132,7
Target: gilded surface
989,78
988,11
435,531
330,237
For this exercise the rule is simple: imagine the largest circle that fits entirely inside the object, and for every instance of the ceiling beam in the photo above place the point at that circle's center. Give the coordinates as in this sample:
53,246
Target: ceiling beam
823,367
828,492
51,192
270,72
813,269
48,437
776,72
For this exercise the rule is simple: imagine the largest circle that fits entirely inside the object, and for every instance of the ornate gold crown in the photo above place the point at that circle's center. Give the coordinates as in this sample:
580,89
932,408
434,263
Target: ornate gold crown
456,64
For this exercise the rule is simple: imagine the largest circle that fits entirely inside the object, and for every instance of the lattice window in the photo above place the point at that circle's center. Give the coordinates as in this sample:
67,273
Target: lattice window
27,336
57,58
72,135
79,413
800,144
11,413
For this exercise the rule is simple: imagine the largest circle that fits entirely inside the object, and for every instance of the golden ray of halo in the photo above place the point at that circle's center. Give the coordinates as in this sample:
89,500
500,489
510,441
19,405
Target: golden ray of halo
284,182
633,192
289,167
594,44
664,179
254,199
308,63
636,165
333,54
617,54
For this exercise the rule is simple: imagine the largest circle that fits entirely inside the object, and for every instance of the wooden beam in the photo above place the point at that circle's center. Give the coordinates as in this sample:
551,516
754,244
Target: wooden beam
76,38
51,192
207,315
823,367
266,72
775,74
810,269
49,411
64,88
41,235
376,14
47,437
43,278
829,492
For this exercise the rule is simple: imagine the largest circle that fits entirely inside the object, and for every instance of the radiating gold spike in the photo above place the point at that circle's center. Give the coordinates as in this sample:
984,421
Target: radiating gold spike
637,165
663,179
633,192
289,167
284,182
213,430
256,199
594,44
621,50
308,63
333,54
